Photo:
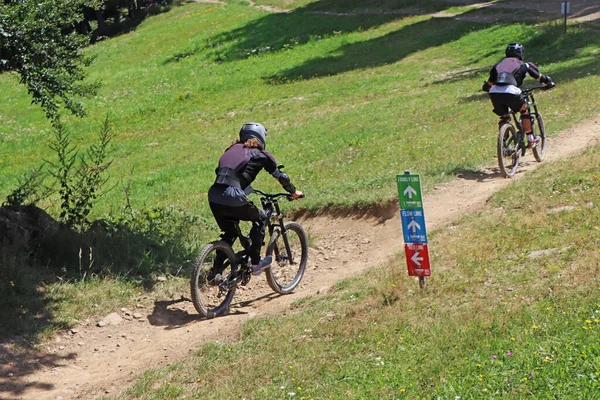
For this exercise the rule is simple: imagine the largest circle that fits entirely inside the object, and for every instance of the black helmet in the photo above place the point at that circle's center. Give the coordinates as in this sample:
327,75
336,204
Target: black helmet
254,130
515,50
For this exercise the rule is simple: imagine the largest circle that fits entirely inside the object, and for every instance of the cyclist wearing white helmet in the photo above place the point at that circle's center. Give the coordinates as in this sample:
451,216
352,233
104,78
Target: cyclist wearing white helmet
504,84
238,168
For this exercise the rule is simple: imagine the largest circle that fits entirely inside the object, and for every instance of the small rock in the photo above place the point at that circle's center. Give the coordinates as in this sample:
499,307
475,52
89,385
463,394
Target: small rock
73,331
559,209
161,279
137,315
112,319
101,324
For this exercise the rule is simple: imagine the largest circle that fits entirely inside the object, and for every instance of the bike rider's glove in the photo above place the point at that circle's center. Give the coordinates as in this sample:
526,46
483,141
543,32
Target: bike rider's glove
546,80
485,87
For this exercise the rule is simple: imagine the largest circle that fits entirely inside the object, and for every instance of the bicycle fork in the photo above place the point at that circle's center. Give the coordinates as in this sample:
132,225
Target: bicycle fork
289,256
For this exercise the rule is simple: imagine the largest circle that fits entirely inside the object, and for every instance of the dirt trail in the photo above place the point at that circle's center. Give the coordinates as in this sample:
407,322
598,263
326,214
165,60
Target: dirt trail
96,361
90,361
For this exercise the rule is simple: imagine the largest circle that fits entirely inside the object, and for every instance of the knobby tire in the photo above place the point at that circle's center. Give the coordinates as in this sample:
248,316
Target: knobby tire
539,151
284,276
209,300
509,152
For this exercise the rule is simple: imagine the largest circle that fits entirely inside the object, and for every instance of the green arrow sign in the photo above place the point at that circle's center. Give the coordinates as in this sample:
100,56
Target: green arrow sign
409,191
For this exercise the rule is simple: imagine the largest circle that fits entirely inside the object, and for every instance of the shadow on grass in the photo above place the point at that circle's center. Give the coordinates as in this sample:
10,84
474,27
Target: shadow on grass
318,20
387,49
36,253
114,24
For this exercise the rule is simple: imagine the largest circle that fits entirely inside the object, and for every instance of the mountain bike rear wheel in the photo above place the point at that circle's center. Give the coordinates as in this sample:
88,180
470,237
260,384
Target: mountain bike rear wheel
539,151
290,255
211,273
509,152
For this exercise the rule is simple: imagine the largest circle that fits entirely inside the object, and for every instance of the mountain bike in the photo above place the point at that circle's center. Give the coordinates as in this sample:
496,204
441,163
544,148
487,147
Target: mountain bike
219,270
512,143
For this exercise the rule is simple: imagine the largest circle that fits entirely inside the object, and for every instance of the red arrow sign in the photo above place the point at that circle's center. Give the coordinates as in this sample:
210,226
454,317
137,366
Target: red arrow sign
417,259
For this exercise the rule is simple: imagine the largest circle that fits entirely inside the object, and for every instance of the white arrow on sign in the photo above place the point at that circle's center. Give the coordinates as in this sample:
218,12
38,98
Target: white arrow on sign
414,225
416,259
409,191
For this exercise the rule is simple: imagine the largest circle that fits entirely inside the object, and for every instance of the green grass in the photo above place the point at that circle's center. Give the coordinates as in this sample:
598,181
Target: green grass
367,96
350,101
512,311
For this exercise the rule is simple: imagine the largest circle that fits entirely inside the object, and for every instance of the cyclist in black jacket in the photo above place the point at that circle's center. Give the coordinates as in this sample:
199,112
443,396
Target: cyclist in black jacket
504,83
238,168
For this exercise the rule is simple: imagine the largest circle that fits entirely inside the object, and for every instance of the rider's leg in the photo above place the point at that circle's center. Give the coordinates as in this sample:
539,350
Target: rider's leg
257,234
504,119
226,222
226,215
500,108
229,228
527,121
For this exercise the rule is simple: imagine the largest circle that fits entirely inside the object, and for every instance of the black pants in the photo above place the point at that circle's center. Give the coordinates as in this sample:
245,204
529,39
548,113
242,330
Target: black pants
503,101
228,217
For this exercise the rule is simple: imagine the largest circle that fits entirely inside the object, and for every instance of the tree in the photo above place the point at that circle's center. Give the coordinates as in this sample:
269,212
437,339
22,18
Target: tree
37,40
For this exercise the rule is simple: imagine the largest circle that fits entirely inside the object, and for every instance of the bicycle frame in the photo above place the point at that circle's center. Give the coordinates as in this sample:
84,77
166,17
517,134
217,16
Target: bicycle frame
275,220
530,98
270,205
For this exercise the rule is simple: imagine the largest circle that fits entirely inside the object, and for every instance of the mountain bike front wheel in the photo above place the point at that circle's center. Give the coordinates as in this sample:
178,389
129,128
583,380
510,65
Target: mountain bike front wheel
290,255
539,151
210,284
509,152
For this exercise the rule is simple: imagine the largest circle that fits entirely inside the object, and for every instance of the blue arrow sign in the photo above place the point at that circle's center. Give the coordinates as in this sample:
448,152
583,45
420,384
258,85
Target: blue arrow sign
413,226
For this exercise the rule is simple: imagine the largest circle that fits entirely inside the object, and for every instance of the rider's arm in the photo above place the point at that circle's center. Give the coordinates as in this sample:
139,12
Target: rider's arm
490,82
282,177
534,72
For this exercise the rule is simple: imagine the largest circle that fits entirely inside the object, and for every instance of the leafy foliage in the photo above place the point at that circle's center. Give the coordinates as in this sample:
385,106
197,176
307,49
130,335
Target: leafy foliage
30,190
80,178
37,41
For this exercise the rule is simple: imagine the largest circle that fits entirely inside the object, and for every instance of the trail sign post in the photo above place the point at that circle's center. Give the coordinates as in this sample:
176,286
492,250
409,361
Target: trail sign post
565,9
413,226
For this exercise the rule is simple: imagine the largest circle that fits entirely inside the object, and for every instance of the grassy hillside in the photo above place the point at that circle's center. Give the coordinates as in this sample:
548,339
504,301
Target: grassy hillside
351,99
362,96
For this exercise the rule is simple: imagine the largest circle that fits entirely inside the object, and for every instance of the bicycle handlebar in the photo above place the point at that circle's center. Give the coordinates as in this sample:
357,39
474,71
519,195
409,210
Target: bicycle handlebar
544,87
274,196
